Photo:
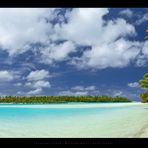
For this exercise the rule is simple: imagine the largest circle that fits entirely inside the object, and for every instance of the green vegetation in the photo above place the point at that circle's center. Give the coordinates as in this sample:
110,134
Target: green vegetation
144,97
144,84
61,99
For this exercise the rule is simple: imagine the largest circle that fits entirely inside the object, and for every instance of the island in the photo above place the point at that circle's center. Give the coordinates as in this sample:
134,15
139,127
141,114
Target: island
60,99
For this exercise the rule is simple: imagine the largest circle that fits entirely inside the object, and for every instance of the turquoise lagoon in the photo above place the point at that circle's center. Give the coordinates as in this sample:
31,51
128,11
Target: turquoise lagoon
100,120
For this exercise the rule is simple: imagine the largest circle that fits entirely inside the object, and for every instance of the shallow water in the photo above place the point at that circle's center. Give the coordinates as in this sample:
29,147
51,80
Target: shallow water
74,120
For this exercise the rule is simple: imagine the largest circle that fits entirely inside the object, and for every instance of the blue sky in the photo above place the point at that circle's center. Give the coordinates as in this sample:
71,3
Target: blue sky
73,51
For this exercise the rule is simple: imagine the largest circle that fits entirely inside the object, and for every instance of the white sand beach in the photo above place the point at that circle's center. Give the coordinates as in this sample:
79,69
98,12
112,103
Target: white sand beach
72,105
78,120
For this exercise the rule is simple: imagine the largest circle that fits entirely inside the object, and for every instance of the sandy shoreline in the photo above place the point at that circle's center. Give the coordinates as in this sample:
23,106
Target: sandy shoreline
143,130
70,105
144,133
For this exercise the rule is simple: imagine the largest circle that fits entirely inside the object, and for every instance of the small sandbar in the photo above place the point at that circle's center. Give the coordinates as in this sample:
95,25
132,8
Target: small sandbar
72,105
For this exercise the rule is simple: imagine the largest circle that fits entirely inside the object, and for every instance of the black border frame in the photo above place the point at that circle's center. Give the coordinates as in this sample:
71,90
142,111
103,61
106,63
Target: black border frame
74,3
73,141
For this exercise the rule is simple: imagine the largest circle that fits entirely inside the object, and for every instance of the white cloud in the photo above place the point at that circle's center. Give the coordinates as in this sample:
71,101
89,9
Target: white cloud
71,93
21,26
133,94
56,52
37,81
82,88
41,84
145,48
109,46
66,93
18,84
38,75
142,19
20,93
6,75
80,91
90,88
115,54
86,27
38,84
141,60
83,26
127,12
28,84
2,95
35,92
133,84
117,93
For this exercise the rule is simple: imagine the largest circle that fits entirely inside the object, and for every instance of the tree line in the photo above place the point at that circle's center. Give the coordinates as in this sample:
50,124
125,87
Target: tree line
61,99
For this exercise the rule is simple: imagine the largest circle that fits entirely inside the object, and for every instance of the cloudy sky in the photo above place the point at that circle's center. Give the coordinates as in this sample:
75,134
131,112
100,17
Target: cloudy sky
73,51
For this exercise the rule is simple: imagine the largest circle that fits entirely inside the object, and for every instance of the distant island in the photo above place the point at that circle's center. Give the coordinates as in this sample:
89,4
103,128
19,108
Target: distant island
60,99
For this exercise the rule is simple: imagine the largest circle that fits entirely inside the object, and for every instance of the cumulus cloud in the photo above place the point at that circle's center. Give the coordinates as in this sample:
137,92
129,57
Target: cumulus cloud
109,47
116,54
108,42
90,88
56,52
37,81
145,48
18,84
20,27
41,84
141,60
35,92
38,75
86,26
131,95
62,36
6,75
133,84
80,91
143,19
70,93
127,12
117,93
83,25
82,88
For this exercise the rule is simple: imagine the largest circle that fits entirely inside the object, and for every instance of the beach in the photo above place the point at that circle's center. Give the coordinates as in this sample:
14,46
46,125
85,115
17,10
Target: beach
69,105
74,120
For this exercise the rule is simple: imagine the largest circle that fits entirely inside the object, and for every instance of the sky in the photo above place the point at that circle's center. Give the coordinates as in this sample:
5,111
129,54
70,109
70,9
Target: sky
73,51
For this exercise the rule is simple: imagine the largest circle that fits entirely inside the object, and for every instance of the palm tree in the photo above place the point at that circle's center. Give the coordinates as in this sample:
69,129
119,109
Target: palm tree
144,84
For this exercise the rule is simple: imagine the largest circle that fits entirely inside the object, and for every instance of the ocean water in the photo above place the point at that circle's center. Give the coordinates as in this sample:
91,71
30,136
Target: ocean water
100,120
